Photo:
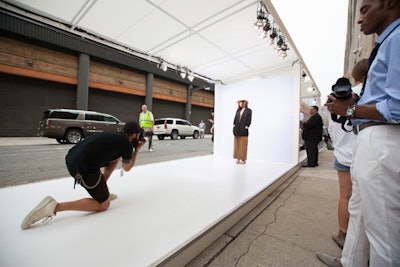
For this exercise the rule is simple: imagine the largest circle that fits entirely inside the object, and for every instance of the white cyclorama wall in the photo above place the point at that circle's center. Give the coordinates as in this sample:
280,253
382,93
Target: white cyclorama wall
275,103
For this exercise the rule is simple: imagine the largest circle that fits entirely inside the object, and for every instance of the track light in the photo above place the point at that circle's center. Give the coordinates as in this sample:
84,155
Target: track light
270,31
261,15
267,25
190,76
162,65
182,72
280,41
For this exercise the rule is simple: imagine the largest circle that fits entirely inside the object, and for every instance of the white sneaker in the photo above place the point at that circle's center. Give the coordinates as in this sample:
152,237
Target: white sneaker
45,209
151,150
113,196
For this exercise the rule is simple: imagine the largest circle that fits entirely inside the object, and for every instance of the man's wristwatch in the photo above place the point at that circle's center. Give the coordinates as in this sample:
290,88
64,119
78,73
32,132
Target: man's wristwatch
351,111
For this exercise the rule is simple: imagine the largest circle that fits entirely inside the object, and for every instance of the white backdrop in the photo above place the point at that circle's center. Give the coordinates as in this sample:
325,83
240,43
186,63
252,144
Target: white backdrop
274,131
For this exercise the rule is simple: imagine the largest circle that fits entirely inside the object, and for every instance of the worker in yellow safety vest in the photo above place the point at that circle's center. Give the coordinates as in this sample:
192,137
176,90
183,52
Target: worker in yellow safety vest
146,121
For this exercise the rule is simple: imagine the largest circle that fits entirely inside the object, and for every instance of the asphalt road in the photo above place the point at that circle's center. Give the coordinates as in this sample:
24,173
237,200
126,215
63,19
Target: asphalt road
23,163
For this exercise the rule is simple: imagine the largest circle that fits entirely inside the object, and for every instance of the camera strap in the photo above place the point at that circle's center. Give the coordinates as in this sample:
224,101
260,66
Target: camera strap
348,123
342,120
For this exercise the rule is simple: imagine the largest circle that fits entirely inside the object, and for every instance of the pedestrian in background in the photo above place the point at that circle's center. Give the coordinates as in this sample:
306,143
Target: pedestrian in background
202,127
211,120
146,120
312,135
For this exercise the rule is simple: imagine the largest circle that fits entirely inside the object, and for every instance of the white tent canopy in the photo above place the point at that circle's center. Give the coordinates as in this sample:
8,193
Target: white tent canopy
215,39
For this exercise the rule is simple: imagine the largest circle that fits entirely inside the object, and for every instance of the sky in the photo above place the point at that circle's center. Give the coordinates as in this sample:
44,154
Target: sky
318,29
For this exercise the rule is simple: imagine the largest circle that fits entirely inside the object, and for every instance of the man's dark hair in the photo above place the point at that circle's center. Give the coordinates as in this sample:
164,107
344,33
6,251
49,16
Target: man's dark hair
132,127
315,107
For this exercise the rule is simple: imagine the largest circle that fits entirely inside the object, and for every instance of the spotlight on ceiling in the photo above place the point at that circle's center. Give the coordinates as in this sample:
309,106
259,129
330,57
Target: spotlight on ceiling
182,72
162,65
270,31
190,76
261,15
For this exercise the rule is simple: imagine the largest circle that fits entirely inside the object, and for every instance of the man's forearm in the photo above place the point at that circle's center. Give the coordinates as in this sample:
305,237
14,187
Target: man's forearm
368,112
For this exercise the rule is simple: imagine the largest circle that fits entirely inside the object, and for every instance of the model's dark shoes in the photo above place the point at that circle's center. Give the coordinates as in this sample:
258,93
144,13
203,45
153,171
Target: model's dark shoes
44,210
339,238
329,260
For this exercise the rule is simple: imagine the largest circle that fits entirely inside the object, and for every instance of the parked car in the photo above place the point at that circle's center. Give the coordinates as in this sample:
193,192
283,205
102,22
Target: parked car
174,128
71,126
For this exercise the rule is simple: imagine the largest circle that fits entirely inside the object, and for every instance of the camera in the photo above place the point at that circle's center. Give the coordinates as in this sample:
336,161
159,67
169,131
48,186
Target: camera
135,142
341,89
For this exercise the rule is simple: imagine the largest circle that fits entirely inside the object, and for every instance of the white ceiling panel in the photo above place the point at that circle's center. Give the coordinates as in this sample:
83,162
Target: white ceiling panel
146,34
191,52
113,19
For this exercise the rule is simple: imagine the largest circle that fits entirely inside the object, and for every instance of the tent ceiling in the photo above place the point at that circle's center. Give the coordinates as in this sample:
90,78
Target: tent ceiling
216,39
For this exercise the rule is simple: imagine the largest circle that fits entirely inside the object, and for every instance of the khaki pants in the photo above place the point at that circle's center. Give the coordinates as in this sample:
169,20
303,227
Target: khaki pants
240,147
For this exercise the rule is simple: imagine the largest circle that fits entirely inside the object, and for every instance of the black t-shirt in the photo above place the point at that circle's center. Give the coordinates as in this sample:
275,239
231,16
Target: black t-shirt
98,150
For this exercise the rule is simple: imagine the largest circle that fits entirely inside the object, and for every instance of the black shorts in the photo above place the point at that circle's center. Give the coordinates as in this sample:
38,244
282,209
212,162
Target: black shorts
94,183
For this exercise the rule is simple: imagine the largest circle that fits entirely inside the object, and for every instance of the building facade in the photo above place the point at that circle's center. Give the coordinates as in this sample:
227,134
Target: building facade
42,67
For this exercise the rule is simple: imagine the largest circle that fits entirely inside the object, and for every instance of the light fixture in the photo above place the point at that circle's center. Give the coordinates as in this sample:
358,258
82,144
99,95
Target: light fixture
270,31
267,25
182,72
162,65
261,15
190,76
314,102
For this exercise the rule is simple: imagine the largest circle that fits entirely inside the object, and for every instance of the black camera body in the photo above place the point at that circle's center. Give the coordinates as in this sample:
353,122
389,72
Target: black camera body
341,89
135,142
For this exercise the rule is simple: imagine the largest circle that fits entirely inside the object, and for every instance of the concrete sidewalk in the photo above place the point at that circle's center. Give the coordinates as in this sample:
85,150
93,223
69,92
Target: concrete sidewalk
287,228
19,141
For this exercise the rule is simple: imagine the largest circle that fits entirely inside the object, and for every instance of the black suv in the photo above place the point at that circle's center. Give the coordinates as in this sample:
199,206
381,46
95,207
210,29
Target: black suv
70,125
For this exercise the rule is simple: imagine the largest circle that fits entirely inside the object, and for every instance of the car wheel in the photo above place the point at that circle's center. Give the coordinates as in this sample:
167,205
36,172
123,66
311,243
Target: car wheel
160,137
196,134
174,135
73,136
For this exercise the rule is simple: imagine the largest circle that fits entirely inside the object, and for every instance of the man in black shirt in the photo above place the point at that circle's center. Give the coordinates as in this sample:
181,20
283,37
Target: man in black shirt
84,162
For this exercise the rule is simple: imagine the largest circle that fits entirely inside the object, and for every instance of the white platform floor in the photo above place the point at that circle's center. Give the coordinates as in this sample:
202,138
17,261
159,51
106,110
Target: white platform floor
160,208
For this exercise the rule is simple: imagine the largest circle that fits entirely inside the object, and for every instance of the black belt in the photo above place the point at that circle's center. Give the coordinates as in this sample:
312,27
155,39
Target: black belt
362,126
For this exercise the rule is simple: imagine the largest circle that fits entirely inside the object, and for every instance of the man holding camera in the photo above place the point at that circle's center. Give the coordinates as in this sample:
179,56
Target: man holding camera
84,162
373,236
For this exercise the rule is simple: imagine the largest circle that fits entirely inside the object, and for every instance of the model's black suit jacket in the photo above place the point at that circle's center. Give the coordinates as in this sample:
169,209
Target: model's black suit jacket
239,124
